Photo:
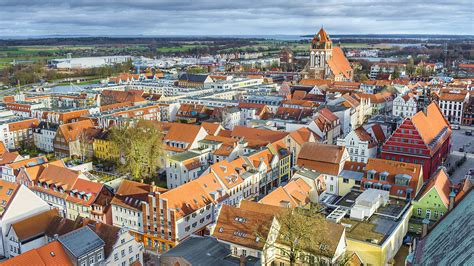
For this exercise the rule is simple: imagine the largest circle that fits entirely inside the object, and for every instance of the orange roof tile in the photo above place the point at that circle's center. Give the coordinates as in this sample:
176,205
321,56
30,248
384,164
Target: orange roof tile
35,225
49,254
243,227
7,193
182,132
187,198
211,128
440,181
430,125
339,64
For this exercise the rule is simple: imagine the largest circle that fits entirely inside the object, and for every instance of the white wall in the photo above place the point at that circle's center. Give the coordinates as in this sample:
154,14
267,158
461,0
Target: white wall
24,204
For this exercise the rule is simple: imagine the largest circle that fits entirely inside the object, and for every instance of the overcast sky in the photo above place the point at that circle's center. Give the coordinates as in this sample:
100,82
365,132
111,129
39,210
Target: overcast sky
233,17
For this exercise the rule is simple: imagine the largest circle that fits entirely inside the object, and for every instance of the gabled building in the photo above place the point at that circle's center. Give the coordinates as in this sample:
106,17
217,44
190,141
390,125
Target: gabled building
360,145
450,241
50,254
83,246
433,201
249,233
75,139
423,139
193,80
17,203
405,105
326,159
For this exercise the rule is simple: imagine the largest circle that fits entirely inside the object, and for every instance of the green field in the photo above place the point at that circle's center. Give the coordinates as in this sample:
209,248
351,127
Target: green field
181,48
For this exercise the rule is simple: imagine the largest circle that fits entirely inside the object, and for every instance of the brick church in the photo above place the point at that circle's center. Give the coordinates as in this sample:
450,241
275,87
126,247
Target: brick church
326,61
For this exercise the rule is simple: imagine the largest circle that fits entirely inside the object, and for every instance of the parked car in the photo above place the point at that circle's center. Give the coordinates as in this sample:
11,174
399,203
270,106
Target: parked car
461,149
455,127
468,132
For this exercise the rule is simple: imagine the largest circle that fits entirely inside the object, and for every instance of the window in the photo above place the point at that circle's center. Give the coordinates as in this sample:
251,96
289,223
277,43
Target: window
116,257
234,251
428,213
244,252
130,249
123,253
91,260
419,211
345,180
100,256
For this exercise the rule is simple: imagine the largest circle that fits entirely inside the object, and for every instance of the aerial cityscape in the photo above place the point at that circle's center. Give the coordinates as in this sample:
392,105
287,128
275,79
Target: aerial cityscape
236,133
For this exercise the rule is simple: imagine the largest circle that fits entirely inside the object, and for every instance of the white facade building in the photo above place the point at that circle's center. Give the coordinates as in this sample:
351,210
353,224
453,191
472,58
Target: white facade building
452,105
19,203
360,145
404,105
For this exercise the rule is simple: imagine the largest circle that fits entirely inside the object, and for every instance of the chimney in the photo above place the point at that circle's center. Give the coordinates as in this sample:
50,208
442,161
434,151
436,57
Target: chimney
241,260
424,230
452,195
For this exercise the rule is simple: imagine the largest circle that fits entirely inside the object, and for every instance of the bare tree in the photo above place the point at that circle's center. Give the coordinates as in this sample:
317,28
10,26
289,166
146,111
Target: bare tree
139,147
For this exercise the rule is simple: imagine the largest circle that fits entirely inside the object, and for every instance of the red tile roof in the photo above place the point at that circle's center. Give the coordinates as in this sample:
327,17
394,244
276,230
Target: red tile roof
49,254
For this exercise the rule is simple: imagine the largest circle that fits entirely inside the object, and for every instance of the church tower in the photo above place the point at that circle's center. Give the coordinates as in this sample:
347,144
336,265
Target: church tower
320,53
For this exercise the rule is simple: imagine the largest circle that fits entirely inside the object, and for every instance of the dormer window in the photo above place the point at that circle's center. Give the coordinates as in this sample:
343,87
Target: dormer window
371,174
383,176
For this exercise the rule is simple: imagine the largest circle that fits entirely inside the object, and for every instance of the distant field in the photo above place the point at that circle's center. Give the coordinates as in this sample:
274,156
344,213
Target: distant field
180,48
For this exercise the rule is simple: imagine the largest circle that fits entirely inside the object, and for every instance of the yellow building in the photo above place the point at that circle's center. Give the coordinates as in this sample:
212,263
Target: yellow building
377,239
103,148
350,177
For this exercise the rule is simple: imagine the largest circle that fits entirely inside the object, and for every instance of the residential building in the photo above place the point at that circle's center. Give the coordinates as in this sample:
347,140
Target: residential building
126,204
189,252
360,145
181,137
422,139
103,147
433,201
11,171
452,103
75,139
193,80
16,132
51,254
17,203
450,241
405,105
29,233
326,159
83,246
249,233
186,166
401,180
43,136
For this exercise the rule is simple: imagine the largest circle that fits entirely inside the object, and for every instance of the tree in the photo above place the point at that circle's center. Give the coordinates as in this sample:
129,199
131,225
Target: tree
410,66
396,73
84,144
300,232
139,147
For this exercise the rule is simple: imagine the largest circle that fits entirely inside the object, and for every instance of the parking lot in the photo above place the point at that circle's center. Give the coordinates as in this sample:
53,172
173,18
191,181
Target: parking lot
461,140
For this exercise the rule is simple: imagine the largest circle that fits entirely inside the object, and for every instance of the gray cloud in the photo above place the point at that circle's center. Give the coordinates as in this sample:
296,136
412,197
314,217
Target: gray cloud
232,17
